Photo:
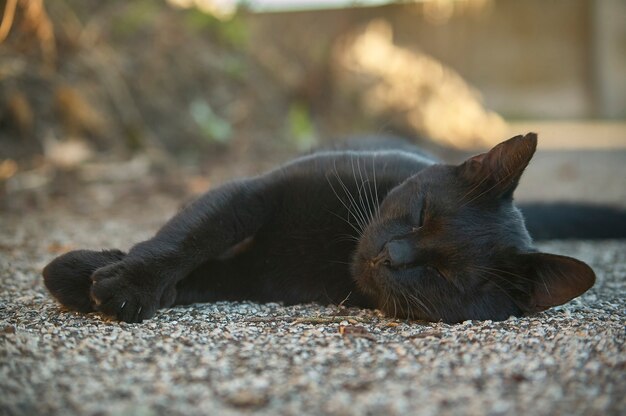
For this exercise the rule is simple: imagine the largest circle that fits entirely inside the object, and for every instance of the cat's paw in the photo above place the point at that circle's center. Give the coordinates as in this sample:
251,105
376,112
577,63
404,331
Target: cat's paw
129,291
68,276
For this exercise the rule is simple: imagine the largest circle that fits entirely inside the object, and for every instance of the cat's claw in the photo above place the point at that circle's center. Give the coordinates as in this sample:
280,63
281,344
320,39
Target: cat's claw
125,292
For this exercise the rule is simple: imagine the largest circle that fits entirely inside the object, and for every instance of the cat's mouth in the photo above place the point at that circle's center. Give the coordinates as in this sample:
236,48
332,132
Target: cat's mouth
378,282
396,290
398,302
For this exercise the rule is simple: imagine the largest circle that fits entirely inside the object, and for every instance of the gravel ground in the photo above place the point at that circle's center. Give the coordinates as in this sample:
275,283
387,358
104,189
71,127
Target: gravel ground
231,358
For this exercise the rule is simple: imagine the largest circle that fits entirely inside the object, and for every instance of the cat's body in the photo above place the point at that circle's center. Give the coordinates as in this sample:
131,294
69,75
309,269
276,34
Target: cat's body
302,254
390,229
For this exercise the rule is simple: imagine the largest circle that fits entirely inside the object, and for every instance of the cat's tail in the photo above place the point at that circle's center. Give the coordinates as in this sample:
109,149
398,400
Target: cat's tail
569,220
68,277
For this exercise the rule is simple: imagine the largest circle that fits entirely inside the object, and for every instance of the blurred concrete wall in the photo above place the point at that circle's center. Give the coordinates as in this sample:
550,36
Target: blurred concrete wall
530,58
609,60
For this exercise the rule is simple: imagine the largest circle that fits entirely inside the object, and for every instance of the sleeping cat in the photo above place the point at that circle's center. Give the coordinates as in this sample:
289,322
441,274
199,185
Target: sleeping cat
387,229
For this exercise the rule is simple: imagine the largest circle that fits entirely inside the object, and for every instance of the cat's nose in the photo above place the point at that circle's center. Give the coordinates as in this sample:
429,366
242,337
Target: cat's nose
397,253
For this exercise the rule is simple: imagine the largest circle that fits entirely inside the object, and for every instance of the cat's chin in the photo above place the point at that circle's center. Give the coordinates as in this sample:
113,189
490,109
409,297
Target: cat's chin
366,282
373,282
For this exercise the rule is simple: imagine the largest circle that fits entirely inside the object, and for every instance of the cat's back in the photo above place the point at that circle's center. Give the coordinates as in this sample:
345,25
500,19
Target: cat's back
318,178
392,164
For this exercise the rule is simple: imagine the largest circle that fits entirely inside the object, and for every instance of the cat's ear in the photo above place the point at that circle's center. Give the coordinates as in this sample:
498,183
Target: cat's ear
498,171
555,279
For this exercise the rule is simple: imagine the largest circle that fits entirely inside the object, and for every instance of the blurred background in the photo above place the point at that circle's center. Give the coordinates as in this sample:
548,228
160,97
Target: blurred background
110,101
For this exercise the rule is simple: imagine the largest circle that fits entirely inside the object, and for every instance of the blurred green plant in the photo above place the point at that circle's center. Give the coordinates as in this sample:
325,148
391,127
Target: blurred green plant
231,32
136,15
213,127
234,67
301,129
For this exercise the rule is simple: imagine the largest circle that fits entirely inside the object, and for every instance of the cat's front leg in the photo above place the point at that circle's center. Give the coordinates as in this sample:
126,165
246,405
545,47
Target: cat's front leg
133,289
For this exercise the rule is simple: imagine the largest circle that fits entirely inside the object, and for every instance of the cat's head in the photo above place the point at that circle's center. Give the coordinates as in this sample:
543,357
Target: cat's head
449,245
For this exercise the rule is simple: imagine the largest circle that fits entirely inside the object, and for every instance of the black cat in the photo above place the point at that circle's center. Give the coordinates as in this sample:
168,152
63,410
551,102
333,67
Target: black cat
387,229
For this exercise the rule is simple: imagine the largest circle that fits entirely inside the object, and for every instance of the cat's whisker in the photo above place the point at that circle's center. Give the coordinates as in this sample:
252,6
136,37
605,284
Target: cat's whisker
367,197
373,199
415,302
411,304
386,295
356,205
372,209
358,188
360,217
340,262
519,276
375,186
347,237
357,230
347,221
387,298
408,307
365,200
374,196
349,195
502,289
420,304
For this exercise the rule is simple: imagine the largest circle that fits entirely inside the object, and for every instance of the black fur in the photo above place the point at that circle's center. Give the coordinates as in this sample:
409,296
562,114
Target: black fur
390,229
68,277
